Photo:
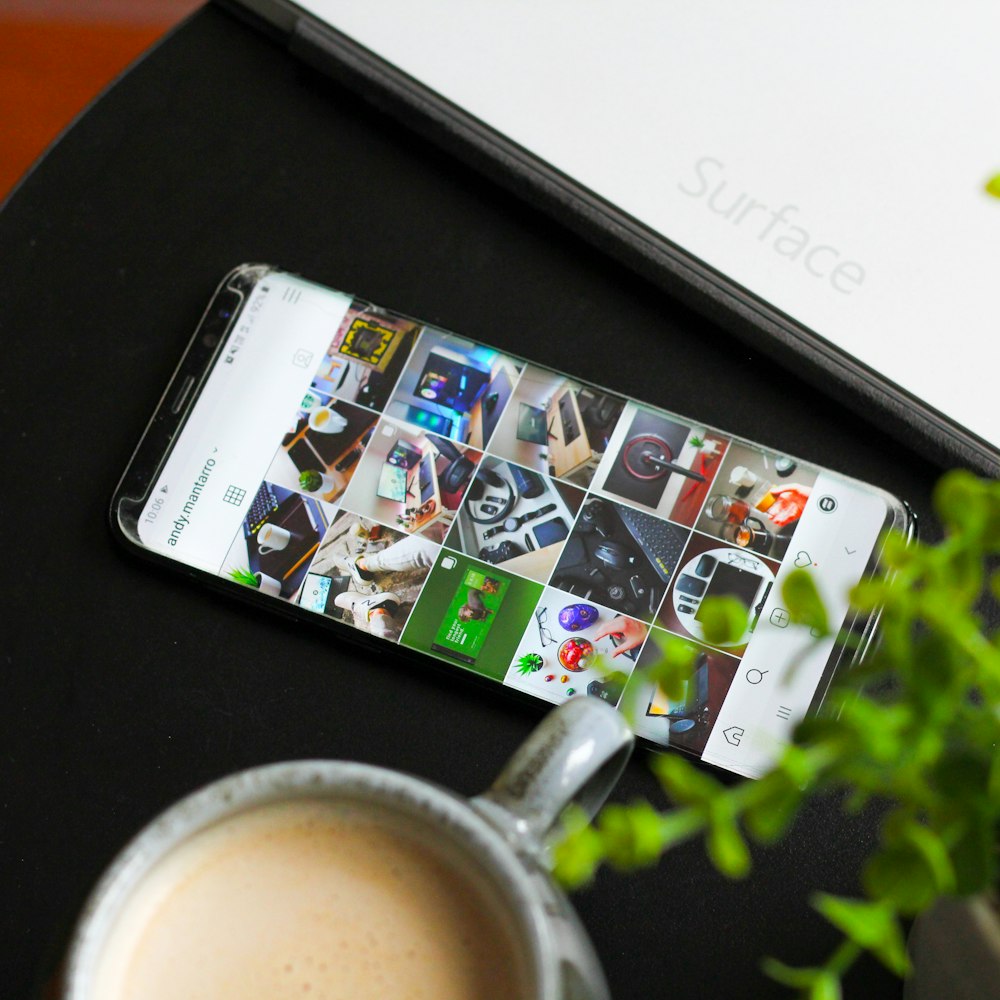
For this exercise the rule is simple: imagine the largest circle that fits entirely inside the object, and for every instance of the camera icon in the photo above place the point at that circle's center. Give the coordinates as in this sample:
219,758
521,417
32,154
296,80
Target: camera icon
302,358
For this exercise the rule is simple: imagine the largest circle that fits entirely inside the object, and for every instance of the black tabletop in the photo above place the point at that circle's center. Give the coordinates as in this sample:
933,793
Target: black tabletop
125,687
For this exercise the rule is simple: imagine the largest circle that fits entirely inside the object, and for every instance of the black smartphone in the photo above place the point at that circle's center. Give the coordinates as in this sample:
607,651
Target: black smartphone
319,454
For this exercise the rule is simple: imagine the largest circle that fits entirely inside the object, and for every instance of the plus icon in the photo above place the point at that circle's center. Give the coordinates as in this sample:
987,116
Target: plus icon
780,618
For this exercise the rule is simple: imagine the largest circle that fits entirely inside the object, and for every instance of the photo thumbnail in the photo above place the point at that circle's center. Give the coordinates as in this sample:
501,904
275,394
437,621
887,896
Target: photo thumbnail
757,500
411,480
575,647
472,614
708,570
278,538
659,464
367,575
557,426
321,450
454,388
366,356
687,721
516,518
620,557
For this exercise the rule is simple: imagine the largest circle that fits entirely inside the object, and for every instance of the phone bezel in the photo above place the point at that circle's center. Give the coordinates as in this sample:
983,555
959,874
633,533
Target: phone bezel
179,397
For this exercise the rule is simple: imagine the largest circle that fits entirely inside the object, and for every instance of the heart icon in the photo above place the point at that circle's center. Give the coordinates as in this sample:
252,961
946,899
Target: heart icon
803,559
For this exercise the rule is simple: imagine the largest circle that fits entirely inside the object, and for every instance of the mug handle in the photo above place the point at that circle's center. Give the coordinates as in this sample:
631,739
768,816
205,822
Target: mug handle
264,549
576,755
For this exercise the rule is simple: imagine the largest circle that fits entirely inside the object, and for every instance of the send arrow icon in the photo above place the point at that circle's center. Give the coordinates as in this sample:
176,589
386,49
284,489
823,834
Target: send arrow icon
733,735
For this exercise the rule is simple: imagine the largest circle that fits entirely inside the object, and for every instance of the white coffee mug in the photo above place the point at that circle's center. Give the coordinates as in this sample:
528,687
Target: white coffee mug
576,755
325,420
272,538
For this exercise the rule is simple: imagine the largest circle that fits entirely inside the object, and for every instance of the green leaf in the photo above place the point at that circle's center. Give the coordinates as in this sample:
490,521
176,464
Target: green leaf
797,979
825,987
973,854
869,729
674,668
801,767
966,775
993,778
992,527
774,804
873,926
963,503
678,825
826,727
900,876
683,782
803,601
727,849
869,594
768,821
931,848
578,851
242,575
958,579
723,620
633,835
898,551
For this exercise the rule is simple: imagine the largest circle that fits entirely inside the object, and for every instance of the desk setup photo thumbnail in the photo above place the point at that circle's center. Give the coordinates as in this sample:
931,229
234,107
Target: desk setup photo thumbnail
333,423
660,464
277,540
516,518
367,575
454,388
575,647
322,447
411,479
556,425
686,721
366,356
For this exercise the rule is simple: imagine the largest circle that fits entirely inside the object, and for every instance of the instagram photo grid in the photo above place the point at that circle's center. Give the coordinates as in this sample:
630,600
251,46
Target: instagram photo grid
516,523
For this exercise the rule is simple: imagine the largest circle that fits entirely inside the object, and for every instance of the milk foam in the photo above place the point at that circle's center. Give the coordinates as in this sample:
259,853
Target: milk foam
314,900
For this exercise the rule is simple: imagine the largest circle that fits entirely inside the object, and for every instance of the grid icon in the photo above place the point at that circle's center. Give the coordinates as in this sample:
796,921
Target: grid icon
234,495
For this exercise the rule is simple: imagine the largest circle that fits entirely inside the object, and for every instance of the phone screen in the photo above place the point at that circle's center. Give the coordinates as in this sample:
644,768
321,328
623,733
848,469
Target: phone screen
383,474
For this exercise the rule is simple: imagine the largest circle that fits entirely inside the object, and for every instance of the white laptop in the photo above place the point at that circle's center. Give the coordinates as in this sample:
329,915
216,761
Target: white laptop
821,171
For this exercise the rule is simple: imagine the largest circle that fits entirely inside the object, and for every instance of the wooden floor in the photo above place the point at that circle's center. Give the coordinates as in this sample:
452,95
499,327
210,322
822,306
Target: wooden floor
56,56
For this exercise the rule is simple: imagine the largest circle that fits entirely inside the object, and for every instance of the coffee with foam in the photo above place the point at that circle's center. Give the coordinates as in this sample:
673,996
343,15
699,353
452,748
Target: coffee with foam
313,899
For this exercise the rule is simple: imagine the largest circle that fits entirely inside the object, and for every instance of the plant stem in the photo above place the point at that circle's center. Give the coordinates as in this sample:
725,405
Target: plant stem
843,957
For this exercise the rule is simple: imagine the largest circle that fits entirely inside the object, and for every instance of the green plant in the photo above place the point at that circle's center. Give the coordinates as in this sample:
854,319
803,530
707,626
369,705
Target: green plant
243,575
529,663
915,727
311,480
